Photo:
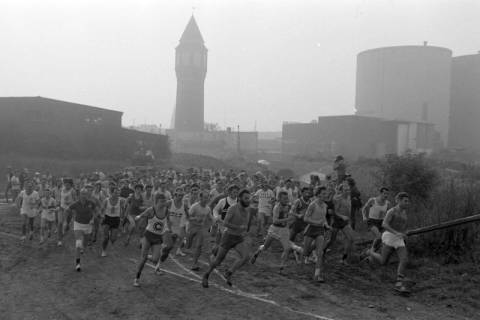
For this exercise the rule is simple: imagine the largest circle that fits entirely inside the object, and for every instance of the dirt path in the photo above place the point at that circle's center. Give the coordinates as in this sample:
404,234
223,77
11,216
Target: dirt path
39,282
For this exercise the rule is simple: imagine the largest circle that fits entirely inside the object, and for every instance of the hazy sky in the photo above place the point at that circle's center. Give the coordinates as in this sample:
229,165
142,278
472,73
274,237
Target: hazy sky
269,60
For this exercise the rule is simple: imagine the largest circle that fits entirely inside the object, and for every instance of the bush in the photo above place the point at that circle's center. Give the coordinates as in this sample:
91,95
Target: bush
410,173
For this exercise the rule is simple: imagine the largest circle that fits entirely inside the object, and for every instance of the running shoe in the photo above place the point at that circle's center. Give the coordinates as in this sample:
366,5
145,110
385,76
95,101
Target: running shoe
195,267
59,243
23,238
180,253
78,267
41,239
158,271
205,281
254,258
104,254
228,277
319,279
135,283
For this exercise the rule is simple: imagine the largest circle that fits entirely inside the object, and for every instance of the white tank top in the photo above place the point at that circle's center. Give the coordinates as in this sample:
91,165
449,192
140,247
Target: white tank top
113,211
177,216
66,198
156,225
377,211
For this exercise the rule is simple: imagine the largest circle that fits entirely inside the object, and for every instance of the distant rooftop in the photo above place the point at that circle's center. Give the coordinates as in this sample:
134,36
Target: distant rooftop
38,101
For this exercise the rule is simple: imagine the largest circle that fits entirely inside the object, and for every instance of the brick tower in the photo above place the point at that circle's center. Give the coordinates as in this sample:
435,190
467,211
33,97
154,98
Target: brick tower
191,69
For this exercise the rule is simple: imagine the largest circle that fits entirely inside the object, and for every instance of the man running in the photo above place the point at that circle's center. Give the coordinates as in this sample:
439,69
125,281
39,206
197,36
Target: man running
158,224
373,214
178,218
67,198
134,207
237,224
266,198
199,221
393,239
279,231
28,202
298,211
341,221
47,215
220,211
83,212
112,212
316,219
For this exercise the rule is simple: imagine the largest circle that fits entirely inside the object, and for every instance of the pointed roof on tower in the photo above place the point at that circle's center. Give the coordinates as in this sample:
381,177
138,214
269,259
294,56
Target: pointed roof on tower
192,32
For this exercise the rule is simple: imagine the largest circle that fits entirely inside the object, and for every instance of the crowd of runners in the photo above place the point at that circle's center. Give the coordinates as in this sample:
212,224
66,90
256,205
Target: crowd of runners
204,211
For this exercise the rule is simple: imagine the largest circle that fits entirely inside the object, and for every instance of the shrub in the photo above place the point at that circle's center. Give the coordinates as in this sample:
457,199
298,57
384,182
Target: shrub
411,173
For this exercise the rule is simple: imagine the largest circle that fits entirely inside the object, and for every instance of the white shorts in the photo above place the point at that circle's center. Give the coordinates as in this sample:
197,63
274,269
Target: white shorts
281,234
392,240
30,214
85,228
48,215
265,213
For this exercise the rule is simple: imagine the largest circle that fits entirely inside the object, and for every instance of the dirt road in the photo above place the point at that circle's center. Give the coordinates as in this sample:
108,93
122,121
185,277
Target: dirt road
39,282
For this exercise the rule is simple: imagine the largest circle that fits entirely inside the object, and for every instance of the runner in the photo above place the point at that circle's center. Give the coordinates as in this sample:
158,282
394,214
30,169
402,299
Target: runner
83,212
67,197
237,224
8,184
48,207
298,211
178,218
113,212
158,224
134,207
373,214
341,222
28,202
199,221
266,197
219,213
393,238
279,231
98,200
15,185
316,219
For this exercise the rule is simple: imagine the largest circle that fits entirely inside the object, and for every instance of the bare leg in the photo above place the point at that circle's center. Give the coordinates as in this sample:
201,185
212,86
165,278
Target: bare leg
319,241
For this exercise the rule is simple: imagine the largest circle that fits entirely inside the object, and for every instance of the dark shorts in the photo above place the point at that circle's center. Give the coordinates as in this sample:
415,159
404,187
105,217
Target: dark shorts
153,238
375,223
230,241
314,231
339,223
112,222
298,226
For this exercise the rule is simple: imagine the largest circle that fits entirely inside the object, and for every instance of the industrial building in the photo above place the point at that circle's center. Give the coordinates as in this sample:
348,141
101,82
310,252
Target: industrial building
40,126
465,103
406,83
356,136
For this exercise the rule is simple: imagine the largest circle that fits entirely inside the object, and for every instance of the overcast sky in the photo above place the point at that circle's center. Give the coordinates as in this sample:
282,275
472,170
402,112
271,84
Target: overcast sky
269,60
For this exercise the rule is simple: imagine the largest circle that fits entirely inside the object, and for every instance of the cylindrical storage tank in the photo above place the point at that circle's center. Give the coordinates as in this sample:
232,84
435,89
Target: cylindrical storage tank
465,102
409,83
